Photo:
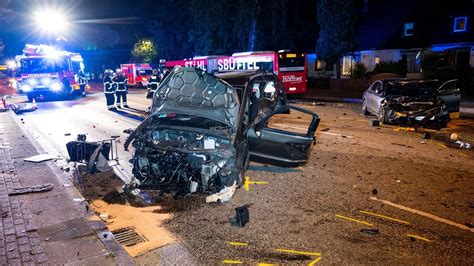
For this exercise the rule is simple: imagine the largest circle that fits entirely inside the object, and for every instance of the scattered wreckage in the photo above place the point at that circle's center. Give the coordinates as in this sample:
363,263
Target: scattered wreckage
427,103
202,132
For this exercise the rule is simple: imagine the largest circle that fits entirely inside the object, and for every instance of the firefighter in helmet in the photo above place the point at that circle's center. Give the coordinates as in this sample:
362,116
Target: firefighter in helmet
109,89
121,89
153,83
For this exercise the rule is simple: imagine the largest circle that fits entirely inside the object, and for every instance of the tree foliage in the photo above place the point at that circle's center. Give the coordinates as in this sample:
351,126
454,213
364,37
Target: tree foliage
211,27
336,21
144,51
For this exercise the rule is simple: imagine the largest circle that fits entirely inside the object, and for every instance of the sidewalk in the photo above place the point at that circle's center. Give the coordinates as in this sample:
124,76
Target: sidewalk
47,227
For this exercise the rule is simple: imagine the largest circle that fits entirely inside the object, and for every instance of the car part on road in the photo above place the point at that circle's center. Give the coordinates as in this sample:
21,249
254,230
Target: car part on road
31,189
40,158
463,145
370,231
374,122
20,107
241,217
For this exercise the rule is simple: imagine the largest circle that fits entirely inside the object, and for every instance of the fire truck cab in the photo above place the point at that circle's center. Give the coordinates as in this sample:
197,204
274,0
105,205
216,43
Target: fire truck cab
45,72
137,74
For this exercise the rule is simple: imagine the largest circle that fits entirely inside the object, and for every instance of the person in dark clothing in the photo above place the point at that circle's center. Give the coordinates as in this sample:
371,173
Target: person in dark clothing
121,89
153,83
109,89
82,83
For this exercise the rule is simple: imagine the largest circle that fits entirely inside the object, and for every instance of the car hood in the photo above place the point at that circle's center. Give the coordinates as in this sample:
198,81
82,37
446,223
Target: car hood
191,91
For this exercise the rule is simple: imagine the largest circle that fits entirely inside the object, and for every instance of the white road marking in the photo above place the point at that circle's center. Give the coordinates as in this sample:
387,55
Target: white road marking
425,214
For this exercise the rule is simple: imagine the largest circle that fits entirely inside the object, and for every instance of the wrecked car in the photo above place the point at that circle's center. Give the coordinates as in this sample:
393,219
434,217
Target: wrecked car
428,103
202,131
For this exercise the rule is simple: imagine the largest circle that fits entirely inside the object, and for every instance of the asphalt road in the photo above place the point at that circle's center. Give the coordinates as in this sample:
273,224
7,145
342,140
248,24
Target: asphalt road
418,193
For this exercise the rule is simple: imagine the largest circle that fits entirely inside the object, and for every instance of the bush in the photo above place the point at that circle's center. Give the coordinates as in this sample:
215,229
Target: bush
359,70
399,68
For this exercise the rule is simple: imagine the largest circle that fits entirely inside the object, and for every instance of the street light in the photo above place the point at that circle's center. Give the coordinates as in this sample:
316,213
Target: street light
50,21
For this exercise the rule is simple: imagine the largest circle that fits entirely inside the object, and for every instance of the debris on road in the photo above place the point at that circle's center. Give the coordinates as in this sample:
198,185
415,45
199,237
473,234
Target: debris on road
20,107
426,135
324,129
81,137
31,189
375,191
128,131
67,134
40,158
374,122
454,136
403,145
241,216
463,145
370,231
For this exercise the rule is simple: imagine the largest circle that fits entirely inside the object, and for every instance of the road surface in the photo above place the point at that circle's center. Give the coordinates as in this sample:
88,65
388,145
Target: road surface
418,193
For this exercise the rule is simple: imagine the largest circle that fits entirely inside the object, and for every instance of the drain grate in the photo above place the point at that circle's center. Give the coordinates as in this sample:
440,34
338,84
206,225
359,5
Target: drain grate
128,236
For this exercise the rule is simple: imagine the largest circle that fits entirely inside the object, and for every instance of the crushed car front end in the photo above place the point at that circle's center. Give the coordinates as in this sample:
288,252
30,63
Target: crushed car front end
189,143
426,111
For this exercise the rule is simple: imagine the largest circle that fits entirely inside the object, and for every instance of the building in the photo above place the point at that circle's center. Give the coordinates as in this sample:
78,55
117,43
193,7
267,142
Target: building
414,33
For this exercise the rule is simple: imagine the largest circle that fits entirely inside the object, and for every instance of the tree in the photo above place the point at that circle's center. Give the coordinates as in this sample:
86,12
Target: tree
144,51
336,37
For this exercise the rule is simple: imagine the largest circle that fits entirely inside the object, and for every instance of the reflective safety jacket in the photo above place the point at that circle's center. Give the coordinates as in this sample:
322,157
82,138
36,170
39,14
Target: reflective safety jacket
108,85
120,83
153,82
82,80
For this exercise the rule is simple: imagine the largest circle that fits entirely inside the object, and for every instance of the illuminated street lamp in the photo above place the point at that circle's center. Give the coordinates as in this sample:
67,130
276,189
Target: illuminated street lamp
51,21
11,64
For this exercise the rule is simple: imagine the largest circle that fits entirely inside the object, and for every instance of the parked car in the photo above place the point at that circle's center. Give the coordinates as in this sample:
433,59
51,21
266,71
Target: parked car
426,103
201,132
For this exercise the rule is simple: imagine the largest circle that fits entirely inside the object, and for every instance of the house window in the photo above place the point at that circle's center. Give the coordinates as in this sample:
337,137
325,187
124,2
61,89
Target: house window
460,24
408,29
377,60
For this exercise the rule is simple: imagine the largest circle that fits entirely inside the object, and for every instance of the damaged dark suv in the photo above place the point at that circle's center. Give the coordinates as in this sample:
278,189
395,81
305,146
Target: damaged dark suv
428,103
197,138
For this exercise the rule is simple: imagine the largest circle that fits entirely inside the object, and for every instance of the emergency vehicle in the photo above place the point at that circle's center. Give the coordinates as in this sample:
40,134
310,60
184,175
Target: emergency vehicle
45,71
137,74
291,68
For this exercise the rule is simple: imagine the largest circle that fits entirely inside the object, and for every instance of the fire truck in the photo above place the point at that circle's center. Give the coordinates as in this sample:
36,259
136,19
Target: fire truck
45,71
291,68
137,74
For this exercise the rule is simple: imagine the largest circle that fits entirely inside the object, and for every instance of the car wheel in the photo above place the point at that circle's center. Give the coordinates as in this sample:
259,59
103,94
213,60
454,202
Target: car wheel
364,108
384,115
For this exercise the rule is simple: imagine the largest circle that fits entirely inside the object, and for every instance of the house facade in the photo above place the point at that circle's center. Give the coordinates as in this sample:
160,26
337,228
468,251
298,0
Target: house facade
414,33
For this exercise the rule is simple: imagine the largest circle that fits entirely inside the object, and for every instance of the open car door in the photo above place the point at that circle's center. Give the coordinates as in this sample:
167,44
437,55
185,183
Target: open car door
449,92
280,140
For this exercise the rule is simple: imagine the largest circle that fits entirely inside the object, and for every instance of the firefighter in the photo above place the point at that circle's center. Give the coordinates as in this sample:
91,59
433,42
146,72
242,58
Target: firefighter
153,83
82,83
109,89
121,90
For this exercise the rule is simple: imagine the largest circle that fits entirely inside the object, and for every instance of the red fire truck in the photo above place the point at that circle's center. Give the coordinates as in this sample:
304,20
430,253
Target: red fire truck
290,67
137,74
45,71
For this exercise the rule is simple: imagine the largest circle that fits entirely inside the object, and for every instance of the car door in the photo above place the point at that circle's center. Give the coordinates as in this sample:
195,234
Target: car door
373,97
449,92
283,138
267,95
